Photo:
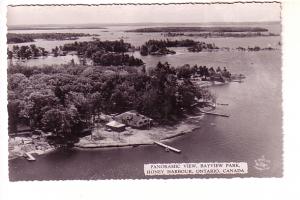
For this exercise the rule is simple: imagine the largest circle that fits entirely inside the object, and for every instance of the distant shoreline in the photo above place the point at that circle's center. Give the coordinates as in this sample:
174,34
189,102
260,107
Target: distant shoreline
141,24
146,24
51,28
200,29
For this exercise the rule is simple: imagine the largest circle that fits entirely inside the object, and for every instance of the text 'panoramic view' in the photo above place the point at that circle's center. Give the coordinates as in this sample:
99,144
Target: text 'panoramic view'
144,91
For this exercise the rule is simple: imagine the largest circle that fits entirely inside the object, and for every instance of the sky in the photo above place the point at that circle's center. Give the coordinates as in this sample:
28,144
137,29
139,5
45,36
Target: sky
200,13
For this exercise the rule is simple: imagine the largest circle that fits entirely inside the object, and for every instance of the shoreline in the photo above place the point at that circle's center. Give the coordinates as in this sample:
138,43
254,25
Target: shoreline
141,137
101,138
100,146
182,128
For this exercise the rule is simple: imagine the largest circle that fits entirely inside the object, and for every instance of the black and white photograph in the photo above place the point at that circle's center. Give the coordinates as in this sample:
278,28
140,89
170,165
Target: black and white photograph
122,91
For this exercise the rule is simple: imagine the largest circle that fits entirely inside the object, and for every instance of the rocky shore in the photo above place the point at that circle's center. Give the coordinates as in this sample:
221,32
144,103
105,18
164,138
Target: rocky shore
19,146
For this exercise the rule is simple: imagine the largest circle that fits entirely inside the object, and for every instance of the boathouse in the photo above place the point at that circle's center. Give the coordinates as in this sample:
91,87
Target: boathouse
116,126
134,119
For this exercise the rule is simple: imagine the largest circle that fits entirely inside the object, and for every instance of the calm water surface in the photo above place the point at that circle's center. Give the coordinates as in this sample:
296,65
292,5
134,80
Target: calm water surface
137,39
252,130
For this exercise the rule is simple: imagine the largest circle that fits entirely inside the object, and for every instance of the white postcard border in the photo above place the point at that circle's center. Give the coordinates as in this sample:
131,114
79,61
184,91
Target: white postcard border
237,188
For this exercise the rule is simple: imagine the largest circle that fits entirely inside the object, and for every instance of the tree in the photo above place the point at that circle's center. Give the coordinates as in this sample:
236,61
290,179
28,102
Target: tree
18,83
186,94
144,50
15,48
24,52
96,57
60,121
184,72
55,51
13,115
82,104
9,54
38,104
97,101
35,51
60,94
43,51
164,80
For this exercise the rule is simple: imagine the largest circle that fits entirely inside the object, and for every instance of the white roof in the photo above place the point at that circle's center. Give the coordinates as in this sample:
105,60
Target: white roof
115,124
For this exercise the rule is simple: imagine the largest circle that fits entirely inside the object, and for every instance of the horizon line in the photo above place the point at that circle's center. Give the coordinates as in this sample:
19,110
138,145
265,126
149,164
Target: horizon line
118,23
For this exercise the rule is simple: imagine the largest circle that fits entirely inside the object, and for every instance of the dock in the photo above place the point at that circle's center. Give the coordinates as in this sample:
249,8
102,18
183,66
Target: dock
238,81
223,104
29,157
217,114
167,147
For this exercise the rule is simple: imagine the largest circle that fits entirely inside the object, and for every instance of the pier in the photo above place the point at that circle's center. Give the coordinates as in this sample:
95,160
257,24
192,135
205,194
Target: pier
217,114
167,147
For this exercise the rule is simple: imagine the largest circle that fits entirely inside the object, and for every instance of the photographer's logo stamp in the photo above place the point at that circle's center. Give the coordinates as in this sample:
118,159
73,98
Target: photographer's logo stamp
262,164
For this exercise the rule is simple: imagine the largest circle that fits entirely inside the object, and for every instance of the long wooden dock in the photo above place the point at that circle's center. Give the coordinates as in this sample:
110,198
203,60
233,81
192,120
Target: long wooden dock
223,104
168,147
210,113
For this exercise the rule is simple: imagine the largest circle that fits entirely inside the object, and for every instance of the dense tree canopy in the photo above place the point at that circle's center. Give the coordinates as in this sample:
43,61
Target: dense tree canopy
59,99
105,53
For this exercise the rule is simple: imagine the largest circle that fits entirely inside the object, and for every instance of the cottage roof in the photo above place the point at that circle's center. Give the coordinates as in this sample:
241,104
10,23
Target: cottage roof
115,124
133,118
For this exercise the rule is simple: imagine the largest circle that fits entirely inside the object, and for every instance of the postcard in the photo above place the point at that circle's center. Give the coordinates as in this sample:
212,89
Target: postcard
144,91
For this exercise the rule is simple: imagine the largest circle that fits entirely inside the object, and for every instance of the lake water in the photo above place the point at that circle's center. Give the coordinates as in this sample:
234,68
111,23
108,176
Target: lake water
253,129
137,39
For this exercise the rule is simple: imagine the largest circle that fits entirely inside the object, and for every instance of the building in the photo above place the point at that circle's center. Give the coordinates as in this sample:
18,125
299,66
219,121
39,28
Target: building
116,126
134,119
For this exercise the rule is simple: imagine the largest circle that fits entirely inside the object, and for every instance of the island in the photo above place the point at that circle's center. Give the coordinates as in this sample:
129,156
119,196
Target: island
221,34
13,38
160,47
69,106
200,29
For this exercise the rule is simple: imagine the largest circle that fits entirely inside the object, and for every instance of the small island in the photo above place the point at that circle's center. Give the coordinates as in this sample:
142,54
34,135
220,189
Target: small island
106,53
255,48
220,34
13,38
160,47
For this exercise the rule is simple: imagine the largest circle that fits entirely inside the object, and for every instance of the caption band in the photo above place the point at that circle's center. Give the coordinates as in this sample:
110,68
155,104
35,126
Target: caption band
196,168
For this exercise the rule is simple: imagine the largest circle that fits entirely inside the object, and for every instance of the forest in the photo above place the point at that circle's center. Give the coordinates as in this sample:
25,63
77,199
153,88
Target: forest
64,99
